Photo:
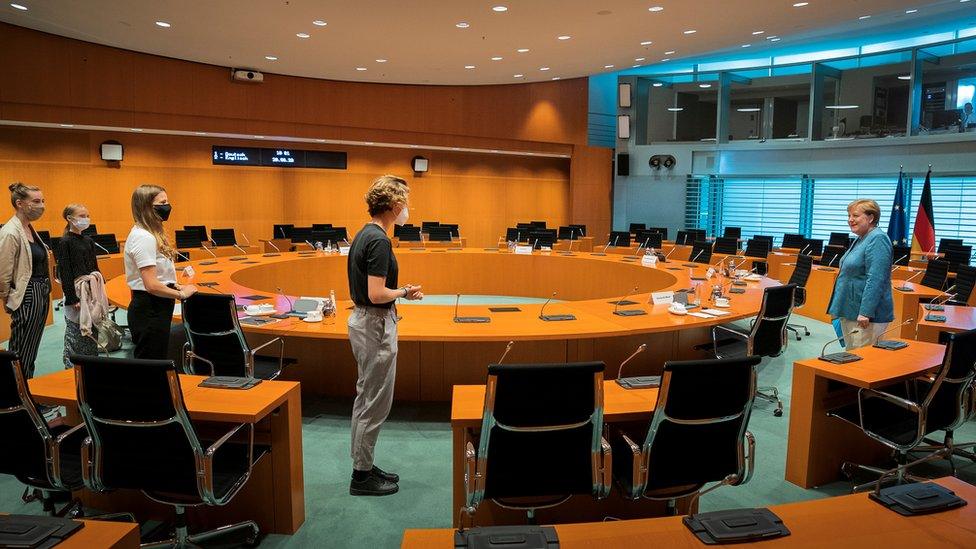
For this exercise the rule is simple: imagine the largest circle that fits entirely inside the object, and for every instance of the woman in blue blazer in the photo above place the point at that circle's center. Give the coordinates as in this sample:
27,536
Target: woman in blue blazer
862,294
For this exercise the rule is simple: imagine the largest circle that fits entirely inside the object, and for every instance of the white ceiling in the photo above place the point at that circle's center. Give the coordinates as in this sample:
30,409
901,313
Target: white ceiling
422,45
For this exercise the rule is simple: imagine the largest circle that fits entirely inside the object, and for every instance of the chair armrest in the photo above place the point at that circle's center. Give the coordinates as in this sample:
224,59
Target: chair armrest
473,489
60,438
630,461
913,407
191,356
263,345
208,463
88,476
750,464
606,469
736,333
254,352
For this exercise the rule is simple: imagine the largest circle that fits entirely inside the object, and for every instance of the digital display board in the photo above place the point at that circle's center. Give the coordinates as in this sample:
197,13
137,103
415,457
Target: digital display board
278,157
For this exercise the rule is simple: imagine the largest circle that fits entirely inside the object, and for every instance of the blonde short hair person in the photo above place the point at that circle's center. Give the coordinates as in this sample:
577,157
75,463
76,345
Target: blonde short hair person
862,293
373,286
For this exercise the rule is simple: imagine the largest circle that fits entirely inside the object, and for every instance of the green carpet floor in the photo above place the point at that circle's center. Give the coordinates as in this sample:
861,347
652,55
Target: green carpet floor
416,443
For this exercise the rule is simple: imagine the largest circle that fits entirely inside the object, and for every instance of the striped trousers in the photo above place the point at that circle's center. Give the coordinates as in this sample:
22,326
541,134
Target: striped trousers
27,323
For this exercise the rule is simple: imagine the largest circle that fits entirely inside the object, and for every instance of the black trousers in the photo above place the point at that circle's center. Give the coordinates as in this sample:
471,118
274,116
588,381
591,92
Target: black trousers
149,321
27,323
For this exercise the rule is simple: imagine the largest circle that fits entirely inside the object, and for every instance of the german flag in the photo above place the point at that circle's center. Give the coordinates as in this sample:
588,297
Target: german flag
923,237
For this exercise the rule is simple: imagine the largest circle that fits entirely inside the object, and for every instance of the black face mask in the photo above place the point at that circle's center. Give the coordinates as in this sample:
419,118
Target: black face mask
163,210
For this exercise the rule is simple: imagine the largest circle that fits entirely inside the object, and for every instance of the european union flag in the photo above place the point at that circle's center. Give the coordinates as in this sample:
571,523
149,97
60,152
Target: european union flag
898,225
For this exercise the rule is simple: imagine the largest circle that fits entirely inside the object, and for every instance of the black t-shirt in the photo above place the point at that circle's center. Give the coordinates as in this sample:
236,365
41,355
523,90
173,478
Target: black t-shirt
371,254
38,259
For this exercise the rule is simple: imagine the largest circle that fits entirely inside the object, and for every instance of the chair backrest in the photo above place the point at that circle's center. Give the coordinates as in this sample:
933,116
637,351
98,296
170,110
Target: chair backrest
958,255
538,224
214,333
187,238
410,234
567,232
649,238
701,252
634,227
326,236
109,244
936,273
90,230
439,234
428,224
200,229
732,232
757,248
804,264
141,435
768,335
698,431
620,238
453,227
697,234
965,280
662,230
300,234
541,237
832,254
902,255
727,245
524,226
581,227
223,237
946,242
947,399
840,239
813,246
541,429
322,226
26,438
515,234
282,230
793,241
682,238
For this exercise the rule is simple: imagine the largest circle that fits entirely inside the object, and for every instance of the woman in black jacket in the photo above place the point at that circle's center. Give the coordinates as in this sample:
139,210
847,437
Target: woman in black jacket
76,258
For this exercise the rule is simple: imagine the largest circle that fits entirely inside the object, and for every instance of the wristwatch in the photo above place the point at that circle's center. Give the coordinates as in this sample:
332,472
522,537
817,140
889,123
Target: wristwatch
404,291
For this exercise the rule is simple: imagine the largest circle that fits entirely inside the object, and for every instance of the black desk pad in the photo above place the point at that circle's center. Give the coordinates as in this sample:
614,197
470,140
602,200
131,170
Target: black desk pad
255,297
504,309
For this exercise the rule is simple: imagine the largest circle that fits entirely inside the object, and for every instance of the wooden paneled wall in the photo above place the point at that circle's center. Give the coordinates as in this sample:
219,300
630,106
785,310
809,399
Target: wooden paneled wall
483,193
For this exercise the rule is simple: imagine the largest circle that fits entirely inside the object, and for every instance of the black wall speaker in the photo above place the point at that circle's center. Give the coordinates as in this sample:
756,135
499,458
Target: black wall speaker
623,164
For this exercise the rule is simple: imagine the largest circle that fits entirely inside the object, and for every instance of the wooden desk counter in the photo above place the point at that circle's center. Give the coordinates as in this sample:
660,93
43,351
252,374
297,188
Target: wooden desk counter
842,522
102,534
819,444
274,495
958,319
620,406
436,352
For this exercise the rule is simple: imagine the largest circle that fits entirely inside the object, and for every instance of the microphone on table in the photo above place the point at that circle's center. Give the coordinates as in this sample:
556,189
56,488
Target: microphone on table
246,239
242,250
614,241
535,243
311,245
666,256
571,242
831,262
627,312
272,244
936,305
206,249
100,247
551,318
467,319
805,248
692,260
544,305
896,262
291,305
905,288
841,357
283,233
890,344
638,382
507,349
948,295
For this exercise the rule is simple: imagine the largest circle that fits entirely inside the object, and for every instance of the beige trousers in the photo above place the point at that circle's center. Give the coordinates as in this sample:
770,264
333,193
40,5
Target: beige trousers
864,336
373,336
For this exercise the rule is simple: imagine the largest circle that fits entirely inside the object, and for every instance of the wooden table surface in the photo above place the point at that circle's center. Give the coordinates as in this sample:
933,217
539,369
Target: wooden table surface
102,534
958,319
851,521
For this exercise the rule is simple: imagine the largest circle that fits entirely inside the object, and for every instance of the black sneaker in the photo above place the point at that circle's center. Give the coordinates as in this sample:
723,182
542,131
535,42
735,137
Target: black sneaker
389,477
372,486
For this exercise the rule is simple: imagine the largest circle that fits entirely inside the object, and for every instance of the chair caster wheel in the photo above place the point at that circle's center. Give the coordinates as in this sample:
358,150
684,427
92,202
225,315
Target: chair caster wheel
778,413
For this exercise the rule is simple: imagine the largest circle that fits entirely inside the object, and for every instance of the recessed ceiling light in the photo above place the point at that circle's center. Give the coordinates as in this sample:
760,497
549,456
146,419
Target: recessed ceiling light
320,140
749,109
911,11
462,25
704,85
669,52
369,143
200,133
67,125
634,66
360,68
270,58
655,8
555,78
676,109
136,129
18,7
258,137
757,33
646,43
608,66
908,76
496,58
381,60
657,84
841,107
690,31
523,50
469,66
863,17
775,39
518,76
666,59
499,8
303,35
800,4
543,68
639,58
319,23
163,24
746,45
771,37
563,37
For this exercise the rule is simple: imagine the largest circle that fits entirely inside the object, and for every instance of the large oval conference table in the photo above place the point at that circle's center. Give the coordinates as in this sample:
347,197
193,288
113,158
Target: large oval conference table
435,352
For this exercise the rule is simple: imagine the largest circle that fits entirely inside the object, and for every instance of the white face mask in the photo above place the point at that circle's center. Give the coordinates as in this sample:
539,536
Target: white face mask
80,223
403,217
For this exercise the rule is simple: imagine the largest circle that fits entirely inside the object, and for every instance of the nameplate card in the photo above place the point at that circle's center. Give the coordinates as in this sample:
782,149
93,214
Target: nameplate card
659,298
343,250
523,250
189,272
649,261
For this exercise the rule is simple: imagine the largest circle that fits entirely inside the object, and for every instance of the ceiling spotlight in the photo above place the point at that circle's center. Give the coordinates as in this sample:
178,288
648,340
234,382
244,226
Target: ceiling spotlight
360,68
646,43
67,125
381,60
863,17
320,140
666,59
555,78
704,85
634,66
775,39
911,11
908,76
757,33
658,84
162,24
258,137
655,8
303,35
18,7
136,129
523,50
469,66
319,23
746,45
669,52
270,58
749,109
800,4
496,58
608,66
771,37
840,107
563,37
639,58
463,25
690,31
200,133
543,68
518,76
499,8
675,109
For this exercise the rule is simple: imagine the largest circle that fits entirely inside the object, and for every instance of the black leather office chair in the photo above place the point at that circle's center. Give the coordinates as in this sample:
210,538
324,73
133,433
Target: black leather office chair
698,433
944,243
619,239
540,238
649,239
188,239
701,252
142,439
766,338
726,245
936,274
840,239
662,230
541,438
281,230
901,255
322,226
813,246
793,241
201,231
831,255
965,280
410,234
902,415
757,248
732,232
634,227
801,273
106,244
957,255
215,344
223,237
